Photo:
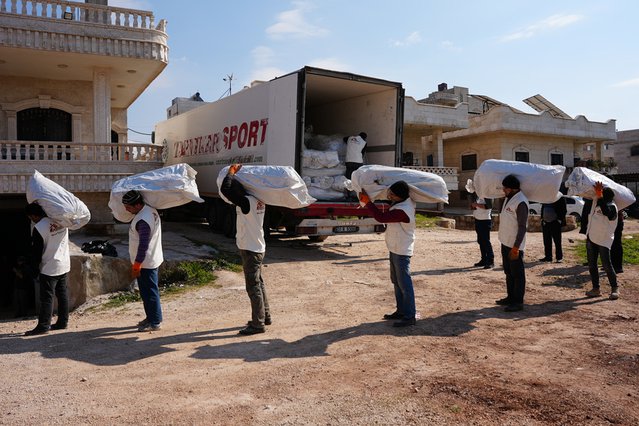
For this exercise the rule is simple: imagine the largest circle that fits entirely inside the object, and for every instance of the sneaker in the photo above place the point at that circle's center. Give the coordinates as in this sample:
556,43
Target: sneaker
149,327
267,321
143,322
478,264
58,326
515,307
250,330
394,316
489,266
503,302
406,322
559,261
37,331
545,259
614,294
595,292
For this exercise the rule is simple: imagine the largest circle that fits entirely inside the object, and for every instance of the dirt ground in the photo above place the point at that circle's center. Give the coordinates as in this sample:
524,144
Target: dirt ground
329,359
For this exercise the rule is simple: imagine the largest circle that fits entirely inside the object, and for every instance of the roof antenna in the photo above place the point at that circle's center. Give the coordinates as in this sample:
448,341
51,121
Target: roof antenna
229,78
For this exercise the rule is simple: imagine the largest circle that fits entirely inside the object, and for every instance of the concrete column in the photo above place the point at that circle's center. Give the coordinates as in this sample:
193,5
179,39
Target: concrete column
76,126
440,147
424,141
599,150
101,106
12,125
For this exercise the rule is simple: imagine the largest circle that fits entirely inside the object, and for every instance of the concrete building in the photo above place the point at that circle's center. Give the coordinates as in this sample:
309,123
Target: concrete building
68,73
627,152
494,130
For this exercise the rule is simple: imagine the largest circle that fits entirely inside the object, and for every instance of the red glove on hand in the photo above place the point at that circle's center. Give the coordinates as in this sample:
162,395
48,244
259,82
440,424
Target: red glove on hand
234,168
598,189
514,253
364,198
135,269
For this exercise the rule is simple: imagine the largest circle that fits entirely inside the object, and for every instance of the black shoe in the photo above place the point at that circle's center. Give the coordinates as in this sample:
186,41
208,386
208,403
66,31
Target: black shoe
545,259
618,271
480,263
250,330
267,321
504,301
394,316
514,307
489,266
37,331
406,322
57,326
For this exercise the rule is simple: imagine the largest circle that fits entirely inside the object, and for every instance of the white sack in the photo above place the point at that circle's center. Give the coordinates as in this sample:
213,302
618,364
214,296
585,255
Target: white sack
319,159
326,194
333,171
539,182
163,188
339,183
581,181
327,143
274,185
375,180
60,205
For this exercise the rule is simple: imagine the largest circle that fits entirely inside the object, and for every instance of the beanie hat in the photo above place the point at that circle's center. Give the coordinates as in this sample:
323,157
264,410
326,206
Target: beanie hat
34,209
132,198
511,182
400,188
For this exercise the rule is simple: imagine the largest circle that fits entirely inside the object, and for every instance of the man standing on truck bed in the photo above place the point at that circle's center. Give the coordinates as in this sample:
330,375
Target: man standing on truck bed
400,240
250,240
355,148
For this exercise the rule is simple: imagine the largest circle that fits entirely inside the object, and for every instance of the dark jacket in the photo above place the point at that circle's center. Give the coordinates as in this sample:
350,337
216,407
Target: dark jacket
560,209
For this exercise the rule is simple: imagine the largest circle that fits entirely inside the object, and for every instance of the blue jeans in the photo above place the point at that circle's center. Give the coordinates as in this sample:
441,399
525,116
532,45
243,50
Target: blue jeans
150,293
594,251
400,277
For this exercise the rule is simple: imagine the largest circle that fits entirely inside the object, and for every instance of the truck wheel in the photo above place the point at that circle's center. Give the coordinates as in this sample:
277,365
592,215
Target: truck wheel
317,238
211,217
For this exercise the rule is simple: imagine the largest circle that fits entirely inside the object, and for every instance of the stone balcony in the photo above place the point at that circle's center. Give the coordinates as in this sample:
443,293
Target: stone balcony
88,168
63,40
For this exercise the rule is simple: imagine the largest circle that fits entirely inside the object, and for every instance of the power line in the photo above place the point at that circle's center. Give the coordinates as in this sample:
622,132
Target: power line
139,133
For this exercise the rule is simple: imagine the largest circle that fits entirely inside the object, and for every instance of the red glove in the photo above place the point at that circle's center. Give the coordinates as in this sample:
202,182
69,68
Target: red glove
234,168
598,189
514,253
364,198
135,269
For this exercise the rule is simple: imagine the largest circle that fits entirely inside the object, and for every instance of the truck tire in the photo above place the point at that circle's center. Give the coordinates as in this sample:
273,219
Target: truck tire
317,238
212,217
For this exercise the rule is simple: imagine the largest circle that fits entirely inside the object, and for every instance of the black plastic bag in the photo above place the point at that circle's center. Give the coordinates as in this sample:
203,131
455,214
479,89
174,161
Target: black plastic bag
100,246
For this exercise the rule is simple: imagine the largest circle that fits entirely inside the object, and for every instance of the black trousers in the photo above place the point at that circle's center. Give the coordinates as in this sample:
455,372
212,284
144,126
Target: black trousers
482,228
515,276
616,250
48,286
552,233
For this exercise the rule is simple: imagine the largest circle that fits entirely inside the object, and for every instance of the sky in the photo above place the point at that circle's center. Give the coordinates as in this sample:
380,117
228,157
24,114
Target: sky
583,55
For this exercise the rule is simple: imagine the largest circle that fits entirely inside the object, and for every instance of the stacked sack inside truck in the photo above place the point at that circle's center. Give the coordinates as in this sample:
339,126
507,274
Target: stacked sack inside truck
60,205
273,185
539,182
163,188
581,182
423,187
323,166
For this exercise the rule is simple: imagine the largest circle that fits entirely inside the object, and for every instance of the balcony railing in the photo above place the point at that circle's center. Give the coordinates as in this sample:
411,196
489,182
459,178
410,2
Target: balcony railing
84,12
74,152
80,182
449,174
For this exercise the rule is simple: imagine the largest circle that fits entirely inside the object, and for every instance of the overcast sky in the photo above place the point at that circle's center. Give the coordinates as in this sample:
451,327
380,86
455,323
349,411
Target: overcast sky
581,55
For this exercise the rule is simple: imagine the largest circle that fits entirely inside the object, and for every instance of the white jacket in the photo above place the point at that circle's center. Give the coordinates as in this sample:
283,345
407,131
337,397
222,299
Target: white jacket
601,230
250,227
354,147
55,254
400,236
154,256
508,225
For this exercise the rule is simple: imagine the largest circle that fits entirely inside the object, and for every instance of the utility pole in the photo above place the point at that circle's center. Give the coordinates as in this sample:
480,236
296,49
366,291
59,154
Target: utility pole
229,78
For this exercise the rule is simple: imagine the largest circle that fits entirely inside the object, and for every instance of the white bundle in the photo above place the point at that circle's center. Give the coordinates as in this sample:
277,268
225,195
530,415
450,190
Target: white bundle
273,185
319,159
60,205
326,194
333,171
538,182
375,180
163,188
339,183
324,182
327,143
581,181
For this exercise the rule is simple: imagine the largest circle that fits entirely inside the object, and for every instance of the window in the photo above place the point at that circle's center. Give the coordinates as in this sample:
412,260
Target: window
38,124
522,156
634,150
469,162
556,159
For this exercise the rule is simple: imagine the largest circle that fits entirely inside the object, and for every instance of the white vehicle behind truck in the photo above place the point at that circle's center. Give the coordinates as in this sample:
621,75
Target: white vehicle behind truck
271,123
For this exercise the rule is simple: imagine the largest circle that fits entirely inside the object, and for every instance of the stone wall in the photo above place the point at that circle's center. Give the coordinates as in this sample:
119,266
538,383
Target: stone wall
94,274
467,222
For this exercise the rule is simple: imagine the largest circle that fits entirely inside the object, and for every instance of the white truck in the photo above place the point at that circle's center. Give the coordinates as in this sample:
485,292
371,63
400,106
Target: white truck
268,123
